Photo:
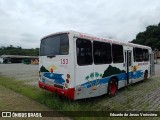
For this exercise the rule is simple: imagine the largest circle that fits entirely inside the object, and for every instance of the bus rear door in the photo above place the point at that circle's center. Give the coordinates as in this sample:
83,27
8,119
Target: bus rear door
128,65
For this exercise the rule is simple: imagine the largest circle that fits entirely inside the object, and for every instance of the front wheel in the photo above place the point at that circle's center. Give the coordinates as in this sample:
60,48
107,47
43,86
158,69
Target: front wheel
112,87
145,75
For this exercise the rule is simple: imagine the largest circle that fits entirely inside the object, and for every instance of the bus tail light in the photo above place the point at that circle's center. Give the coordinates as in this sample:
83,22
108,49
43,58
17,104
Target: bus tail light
68,78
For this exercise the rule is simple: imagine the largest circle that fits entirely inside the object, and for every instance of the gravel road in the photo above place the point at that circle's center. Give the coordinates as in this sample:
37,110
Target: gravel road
157,68
29,73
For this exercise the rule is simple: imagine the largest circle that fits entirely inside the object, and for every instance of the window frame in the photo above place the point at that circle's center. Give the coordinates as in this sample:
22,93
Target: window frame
145,59
104,46
113,56
49,49
91,52
136,51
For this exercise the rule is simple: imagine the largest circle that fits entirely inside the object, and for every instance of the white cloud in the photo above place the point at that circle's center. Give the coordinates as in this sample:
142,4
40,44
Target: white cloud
24,22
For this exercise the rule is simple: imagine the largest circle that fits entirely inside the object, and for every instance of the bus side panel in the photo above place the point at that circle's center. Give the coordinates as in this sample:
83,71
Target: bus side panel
139,69
95,83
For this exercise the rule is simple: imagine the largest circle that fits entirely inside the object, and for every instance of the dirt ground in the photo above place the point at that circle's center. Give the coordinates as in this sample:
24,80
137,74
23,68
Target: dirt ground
157,69
11,101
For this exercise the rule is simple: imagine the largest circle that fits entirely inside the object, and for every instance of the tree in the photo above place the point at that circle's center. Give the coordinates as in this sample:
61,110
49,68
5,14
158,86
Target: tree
11,50
150,37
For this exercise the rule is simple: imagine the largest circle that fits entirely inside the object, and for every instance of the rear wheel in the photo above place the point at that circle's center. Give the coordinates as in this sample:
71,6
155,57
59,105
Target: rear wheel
112,87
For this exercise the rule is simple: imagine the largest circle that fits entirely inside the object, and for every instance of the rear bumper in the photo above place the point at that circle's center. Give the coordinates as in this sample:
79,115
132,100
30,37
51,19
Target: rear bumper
64,92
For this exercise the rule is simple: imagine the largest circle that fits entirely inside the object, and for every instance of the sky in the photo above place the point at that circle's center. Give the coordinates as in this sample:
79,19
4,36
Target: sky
24,22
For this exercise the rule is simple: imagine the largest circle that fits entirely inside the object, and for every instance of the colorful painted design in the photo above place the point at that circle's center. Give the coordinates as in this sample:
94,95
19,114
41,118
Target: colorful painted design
96,80
52,78
135,68
43,69
137,74
52,68
55,78
112,71
94,83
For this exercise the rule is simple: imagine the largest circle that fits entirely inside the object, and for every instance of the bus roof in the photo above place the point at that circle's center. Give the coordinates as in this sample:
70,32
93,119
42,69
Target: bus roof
93,38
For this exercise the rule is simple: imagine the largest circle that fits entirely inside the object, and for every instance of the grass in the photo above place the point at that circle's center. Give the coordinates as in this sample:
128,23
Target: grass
102,103
50,100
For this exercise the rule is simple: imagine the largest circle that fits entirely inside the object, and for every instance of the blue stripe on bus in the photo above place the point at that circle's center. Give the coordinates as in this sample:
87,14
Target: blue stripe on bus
122,76
57,78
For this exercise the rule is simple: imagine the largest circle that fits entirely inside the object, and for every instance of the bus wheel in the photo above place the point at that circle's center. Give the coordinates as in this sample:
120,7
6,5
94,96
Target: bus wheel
112,87
145,75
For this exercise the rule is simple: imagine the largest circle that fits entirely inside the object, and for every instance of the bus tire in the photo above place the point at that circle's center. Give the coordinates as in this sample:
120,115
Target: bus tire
145,75
112,87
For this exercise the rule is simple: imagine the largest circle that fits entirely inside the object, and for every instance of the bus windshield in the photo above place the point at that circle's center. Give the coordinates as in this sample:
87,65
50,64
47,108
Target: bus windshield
55,45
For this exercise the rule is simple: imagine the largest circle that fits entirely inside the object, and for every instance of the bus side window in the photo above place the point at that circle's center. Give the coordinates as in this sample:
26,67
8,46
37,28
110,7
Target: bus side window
117,53
102,52
139,54
84,52
145,55
134,54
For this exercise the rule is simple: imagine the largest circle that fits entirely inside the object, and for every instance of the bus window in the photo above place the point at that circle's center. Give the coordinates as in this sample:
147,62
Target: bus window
55,45
84,52
134,55
145,55
117,53
101,52
139,54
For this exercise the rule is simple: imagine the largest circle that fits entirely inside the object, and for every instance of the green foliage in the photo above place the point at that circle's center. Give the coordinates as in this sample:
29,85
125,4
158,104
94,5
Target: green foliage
92,75
112,71
11,50
150,37
43,69
96,74
87,77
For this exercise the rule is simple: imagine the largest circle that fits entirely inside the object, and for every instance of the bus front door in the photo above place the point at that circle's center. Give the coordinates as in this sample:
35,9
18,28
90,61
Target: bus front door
128,65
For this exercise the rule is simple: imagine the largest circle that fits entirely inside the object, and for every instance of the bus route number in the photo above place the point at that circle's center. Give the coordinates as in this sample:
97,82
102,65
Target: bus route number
64,61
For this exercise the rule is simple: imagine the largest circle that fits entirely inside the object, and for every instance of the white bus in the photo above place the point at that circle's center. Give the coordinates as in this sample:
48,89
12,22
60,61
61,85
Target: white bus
78,65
